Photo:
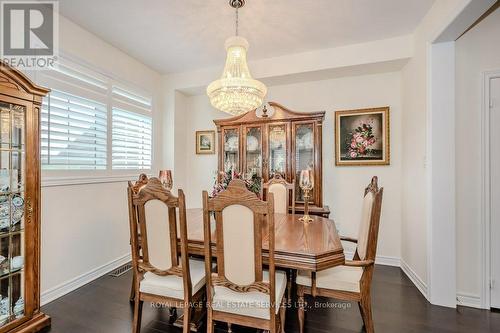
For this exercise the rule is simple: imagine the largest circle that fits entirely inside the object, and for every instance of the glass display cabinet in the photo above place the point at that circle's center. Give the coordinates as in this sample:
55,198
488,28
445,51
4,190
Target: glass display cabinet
282,142
20,102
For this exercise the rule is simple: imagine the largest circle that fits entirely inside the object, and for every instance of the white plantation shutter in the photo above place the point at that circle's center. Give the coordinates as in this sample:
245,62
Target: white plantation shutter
131,140
73,132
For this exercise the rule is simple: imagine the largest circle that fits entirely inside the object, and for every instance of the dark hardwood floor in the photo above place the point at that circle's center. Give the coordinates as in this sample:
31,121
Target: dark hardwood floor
103,306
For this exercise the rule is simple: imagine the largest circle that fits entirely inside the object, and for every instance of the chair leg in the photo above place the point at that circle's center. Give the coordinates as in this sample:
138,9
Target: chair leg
300,294
366,312
289,284
210,324
132,289
137,315
186,324
282,317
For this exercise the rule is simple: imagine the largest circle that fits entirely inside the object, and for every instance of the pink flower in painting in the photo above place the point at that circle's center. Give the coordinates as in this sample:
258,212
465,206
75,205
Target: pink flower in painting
360,140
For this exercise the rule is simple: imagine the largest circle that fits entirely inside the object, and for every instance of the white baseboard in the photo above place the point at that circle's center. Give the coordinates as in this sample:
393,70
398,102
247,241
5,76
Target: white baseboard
417,281
473,301
62,289
380,260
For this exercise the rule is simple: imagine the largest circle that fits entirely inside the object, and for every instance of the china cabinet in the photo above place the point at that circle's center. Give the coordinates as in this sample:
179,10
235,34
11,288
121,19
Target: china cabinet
273,141
20,102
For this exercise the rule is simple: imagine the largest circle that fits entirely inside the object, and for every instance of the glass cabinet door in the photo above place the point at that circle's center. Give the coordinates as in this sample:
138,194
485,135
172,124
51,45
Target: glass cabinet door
277,150
253,152
12,173
231,149
304,155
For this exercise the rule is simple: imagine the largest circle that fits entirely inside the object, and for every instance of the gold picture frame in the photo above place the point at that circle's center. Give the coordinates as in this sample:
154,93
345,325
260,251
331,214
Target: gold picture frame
205,142
362,137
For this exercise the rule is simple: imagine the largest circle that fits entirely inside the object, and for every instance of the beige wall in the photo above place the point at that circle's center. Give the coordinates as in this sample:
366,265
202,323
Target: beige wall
476,52
343,186
85,227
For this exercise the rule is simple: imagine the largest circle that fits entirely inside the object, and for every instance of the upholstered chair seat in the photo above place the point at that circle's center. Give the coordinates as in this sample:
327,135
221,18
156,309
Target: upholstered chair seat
173,286
337,278
253,303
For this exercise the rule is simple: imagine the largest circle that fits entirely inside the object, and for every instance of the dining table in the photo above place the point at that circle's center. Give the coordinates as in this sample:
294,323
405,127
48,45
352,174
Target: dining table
311,246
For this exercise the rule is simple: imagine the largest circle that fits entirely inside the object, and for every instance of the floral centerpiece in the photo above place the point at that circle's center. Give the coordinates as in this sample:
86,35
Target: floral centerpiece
253,183
359,141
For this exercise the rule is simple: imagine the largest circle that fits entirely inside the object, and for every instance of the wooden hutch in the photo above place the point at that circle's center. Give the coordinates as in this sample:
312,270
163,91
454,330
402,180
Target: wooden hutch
20,103
275,141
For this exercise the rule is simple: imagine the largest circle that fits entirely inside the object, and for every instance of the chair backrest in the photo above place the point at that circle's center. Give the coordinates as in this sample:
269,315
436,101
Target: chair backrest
283,192
370,220
153,230
240,220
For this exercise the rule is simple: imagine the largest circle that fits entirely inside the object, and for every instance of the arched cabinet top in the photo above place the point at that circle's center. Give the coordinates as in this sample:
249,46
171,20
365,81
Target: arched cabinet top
280,113
14,83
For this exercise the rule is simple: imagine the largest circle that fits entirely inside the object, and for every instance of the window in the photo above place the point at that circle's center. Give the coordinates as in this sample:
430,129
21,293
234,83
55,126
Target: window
131,140
73,132
91,122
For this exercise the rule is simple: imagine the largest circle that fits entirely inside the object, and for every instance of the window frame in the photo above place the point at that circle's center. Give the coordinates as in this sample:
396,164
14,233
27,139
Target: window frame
71,85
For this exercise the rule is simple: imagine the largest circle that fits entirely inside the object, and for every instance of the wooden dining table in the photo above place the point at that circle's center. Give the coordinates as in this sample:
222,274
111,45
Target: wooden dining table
312,246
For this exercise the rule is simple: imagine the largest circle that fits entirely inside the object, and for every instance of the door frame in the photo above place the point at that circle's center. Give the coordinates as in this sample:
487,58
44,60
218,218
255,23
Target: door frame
487,76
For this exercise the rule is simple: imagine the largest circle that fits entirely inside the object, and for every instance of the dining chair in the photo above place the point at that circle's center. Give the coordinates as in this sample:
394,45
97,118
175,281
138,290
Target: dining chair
135,187
352,281
163,274
239,290
282,192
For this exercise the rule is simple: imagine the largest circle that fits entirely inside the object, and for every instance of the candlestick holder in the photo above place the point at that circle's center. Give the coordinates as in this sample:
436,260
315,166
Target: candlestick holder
306,183
166,179
306,218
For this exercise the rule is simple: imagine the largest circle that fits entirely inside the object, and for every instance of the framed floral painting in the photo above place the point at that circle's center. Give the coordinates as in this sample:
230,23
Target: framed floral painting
205,142
362,137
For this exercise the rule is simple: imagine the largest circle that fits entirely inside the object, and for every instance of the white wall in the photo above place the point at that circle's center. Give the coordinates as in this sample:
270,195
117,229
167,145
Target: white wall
416,192
476,52
85,227
343,186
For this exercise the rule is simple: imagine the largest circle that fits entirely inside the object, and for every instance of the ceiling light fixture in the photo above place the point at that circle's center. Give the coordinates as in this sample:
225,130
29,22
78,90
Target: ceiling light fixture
236,92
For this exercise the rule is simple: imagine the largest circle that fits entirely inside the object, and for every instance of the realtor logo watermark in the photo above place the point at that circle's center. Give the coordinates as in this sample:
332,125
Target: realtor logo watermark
29,35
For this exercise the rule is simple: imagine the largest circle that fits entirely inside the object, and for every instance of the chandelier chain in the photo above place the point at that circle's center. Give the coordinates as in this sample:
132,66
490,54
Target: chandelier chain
237,21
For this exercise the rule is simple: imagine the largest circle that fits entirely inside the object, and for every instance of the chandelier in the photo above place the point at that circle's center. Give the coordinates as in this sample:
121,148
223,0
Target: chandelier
236,92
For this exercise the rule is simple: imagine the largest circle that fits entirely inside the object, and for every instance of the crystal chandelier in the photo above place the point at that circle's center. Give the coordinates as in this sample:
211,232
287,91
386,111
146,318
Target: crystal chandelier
236,92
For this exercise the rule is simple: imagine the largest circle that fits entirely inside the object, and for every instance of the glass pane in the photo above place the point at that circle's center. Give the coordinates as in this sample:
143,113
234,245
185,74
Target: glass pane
17,127
17,174
17,299
231,150
5,171
304,155
277,150
4,256
12,184
4,125
254,152
17,212
4,300
4,213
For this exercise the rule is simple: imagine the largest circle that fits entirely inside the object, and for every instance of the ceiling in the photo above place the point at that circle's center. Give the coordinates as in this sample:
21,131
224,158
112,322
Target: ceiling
181,35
